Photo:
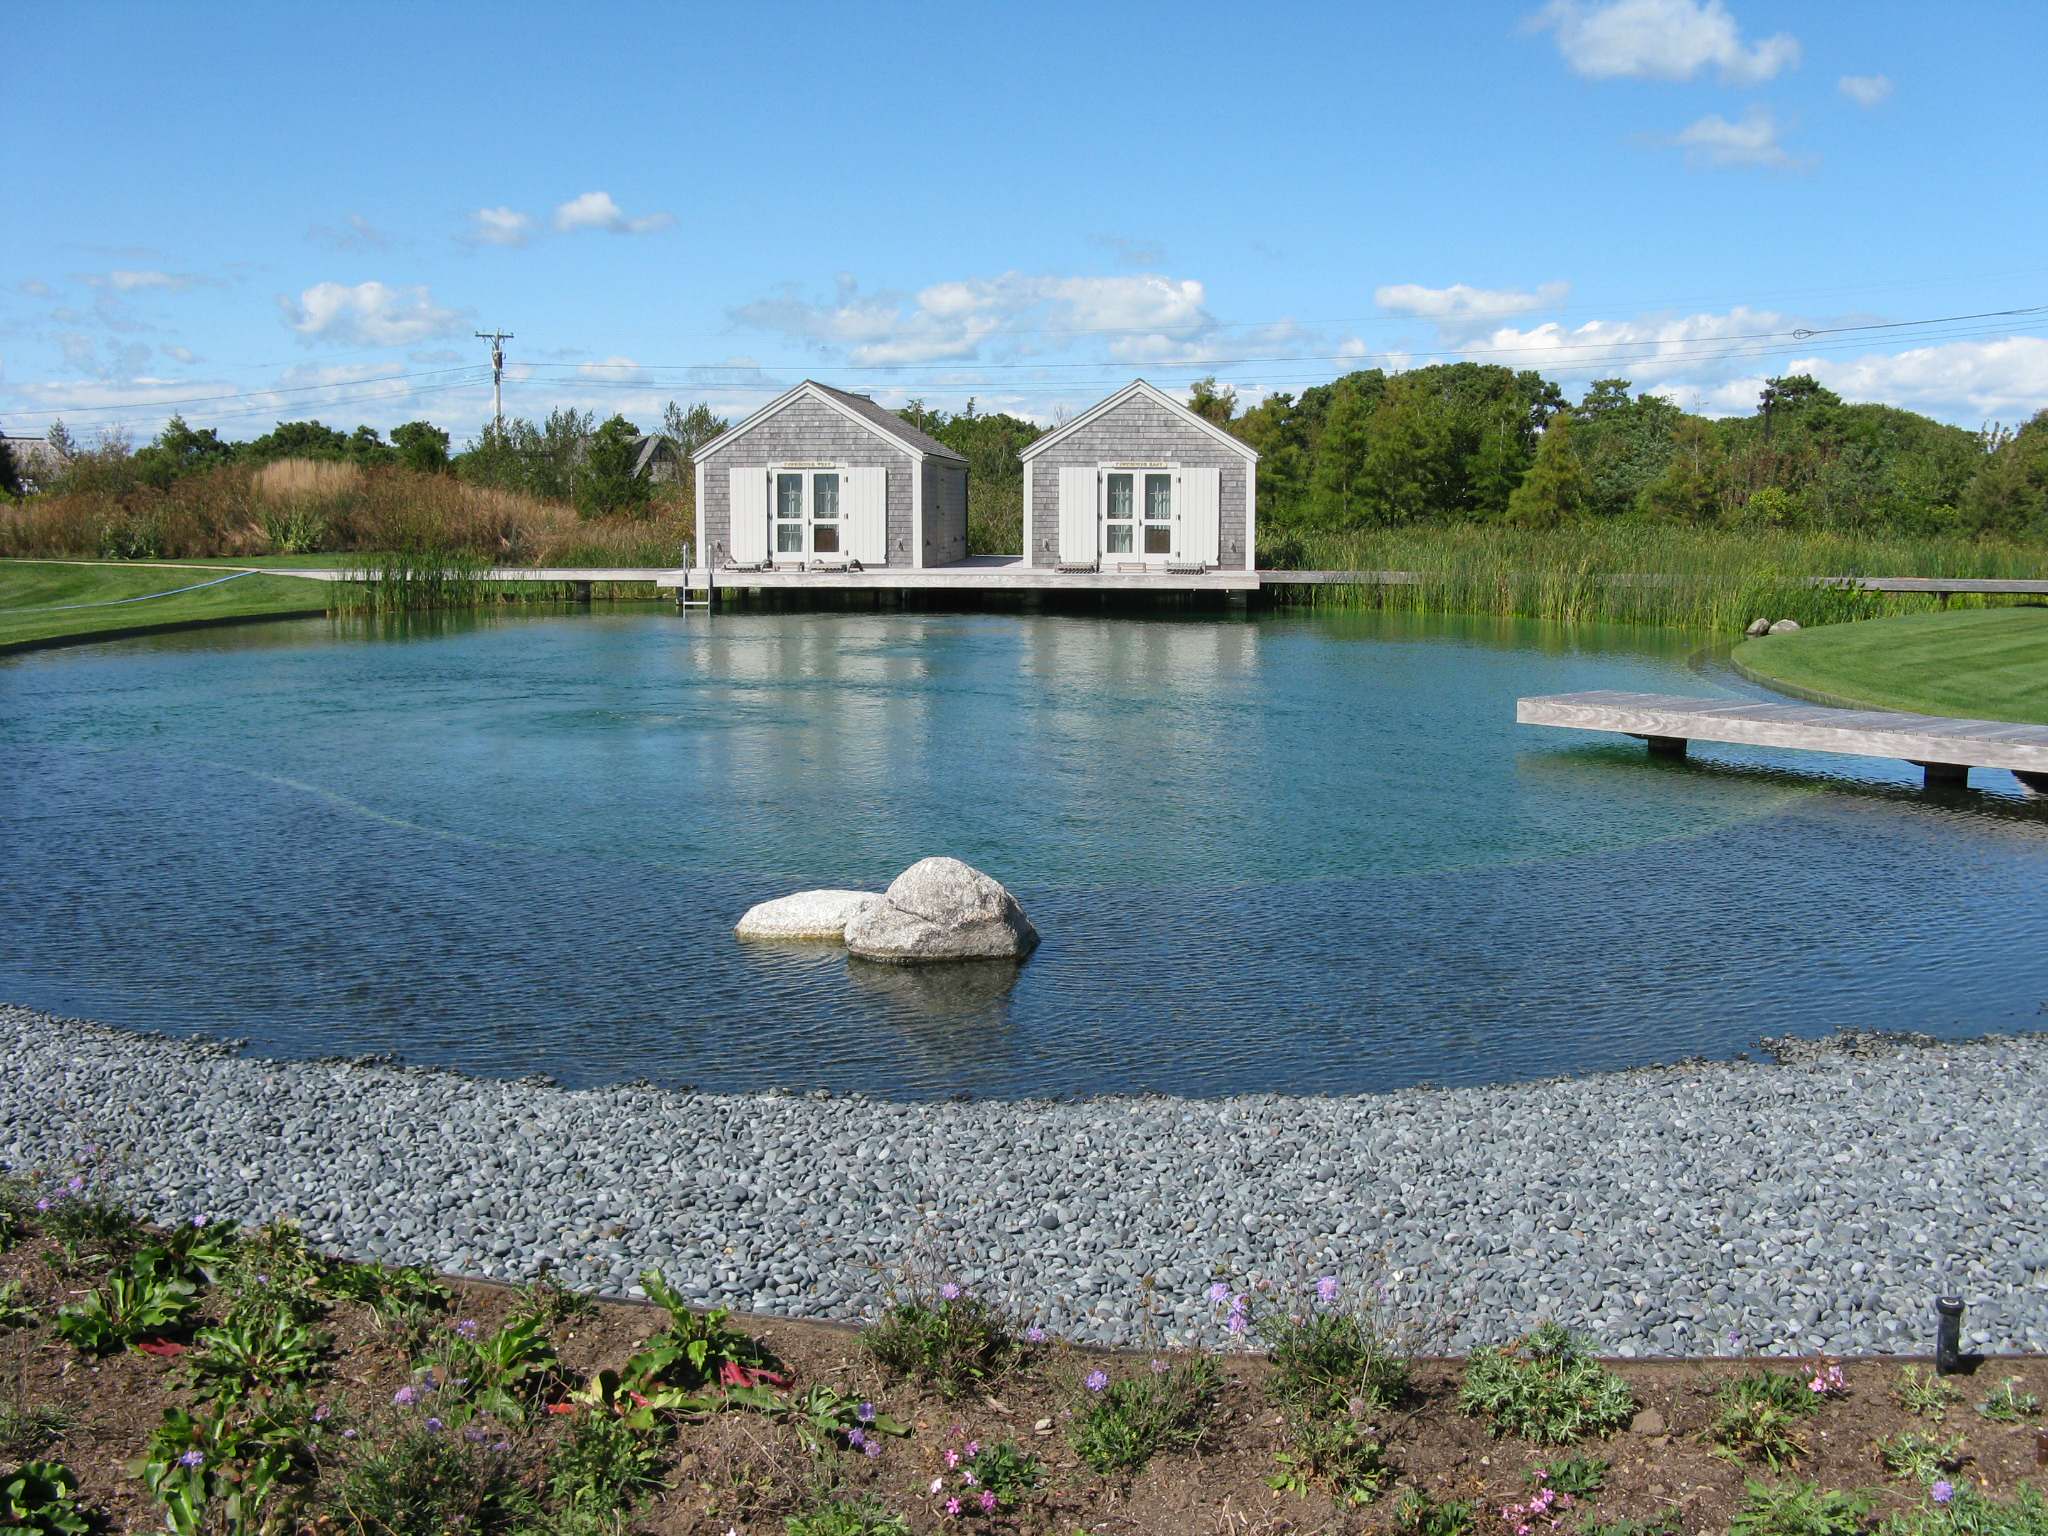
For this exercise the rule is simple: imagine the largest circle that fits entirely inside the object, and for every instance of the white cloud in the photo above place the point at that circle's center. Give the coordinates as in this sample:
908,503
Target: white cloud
369,314
1866,90
596,210
1644,349
1662,40
1750,141
500,226
1461,301
130,280
2007,377
179,354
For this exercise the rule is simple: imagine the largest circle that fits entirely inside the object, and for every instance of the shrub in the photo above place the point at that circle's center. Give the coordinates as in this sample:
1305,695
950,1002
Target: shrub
246,1356
696,1350
1923,1393
92,1231
1332,1359
1548,1389
38,1498
502,1373
952,1341
843,1517
430,1483
1335,1453
1757,1417
1799,1509
1118,1426
212,1473
273,1274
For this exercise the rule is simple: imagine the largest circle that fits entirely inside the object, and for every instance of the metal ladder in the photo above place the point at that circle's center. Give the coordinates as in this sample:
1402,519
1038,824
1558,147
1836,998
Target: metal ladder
683,599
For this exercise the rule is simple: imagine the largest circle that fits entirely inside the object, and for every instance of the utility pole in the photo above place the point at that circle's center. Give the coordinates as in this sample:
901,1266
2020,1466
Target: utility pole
497,339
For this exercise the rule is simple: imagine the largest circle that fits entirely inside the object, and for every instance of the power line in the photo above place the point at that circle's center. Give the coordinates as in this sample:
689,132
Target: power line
241,394
497,339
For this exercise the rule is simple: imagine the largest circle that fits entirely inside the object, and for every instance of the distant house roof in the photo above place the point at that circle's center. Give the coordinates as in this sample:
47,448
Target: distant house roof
860,407
36,459
1137,388
647,447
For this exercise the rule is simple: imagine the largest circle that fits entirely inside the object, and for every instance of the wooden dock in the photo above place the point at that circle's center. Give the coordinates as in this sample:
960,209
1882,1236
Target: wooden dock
1946,748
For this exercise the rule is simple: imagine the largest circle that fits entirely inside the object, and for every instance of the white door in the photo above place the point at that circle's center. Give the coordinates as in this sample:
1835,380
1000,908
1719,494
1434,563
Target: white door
789,517
866,509
1079,515
1201,517
1119,516
747,501
1157,530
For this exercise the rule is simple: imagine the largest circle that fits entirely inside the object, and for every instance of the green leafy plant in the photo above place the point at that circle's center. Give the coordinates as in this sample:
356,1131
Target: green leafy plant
428,1483
1548,1389
697,1349
1967,1511
213,1473
1666,1524
603,1465
1922,1458
1923,1393
196,1251
93,1232
14,1312
39,1498
954,1343
553,1305
246,1356
273,1273
1120,1425
1800,1509
989,1478
1580,1476
1335,1453
847,1517
823,1418
1758,1415
2008,1404
133,1304
401,1302
1331,1359
501,1373
1417,1514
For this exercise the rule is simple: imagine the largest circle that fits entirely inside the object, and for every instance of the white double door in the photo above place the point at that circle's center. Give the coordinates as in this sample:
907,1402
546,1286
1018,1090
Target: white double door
805,508
1139,516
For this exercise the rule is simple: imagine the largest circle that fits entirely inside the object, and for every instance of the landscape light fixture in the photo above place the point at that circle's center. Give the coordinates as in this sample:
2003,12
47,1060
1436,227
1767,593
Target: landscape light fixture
1948,1335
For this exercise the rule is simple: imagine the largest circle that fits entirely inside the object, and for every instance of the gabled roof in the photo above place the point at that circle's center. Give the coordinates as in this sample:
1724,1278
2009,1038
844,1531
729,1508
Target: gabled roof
1139,387
858,407
647,445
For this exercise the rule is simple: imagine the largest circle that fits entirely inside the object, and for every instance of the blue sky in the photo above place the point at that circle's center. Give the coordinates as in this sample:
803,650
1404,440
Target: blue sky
291,211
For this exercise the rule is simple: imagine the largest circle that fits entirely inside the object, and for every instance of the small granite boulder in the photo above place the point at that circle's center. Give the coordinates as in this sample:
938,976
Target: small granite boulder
1758,627
806,915
1784,627
942,909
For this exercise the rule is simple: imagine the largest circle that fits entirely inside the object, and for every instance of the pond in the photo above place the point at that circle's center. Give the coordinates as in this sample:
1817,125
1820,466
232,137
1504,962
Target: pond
1277,852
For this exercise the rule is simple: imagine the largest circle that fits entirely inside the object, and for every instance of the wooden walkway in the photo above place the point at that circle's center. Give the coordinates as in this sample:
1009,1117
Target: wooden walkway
1947,748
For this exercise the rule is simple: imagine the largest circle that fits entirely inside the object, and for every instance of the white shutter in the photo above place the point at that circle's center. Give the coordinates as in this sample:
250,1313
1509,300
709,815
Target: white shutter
747,531
1079,541
864,506
1198,532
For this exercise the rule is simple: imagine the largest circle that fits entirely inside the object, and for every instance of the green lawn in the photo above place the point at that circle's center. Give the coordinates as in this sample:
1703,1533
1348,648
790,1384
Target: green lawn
1983,663
37,598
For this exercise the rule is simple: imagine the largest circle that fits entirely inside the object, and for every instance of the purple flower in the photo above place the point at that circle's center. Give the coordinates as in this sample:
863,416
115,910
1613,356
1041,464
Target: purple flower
192,1459
348,1434
474,1435
1942,1491
1236,1321
501,1446
988,1501
434,1424
43,1204
872,1449
263,1279
949,1292
952,1506
1159,1367
405,1397
198,1221
320,1414
467,1327
856,1438
1096,1381
1219,1293
865,1413
1326,1289
76,1185
1034,1334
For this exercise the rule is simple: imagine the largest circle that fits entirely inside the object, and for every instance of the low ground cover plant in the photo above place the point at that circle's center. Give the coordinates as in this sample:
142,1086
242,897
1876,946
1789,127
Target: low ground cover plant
1758,1415
1801,1509
38,1498
2007,1404
1922,1392
1920,1458
847,1517
1329,1353
1417,1514
1335,1454
946,1338
1548,1389
1119,1425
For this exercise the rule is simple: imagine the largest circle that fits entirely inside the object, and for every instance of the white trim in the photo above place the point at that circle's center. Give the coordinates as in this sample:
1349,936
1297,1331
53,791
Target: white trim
1137,387
811,389
1251,518
1027,514
701,555
917,516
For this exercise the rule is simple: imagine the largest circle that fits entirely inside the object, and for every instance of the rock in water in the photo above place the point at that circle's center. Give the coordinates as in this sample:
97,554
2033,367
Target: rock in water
1783,627
942,909
806,915
1758,627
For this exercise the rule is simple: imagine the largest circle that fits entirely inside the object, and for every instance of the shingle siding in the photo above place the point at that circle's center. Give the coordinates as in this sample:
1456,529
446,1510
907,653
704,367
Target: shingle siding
945,512
805,429
1138,430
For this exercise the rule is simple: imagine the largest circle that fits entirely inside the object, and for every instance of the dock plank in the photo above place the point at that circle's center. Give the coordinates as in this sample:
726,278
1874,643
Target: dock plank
1922,739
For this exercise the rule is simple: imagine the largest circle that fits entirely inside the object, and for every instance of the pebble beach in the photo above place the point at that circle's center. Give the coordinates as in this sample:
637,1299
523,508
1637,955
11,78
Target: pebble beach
1818,1203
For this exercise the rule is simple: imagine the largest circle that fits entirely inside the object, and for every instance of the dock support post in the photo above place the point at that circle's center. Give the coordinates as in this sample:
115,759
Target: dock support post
582,591
1665,746
1948,775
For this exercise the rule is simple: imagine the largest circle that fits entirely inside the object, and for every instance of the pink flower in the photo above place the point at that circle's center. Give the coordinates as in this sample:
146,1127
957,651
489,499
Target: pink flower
938,1483
952,1459
968,1479
988,1502
952,1506
973,1448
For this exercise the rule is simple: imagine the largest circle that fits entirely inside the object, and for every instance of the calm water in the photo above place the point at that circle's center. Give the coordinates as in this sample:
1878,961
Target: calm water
1308,854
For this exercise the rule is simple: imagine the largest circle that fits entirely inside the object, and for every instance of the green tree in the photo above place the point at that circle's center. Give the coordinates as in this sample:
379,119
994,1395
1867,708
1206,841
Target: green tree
10,475
2009,495
297,440
1694,481
1212,404
1497,467
1557,489
1343,439
605,482
692,429
422,447
1411,470
179,450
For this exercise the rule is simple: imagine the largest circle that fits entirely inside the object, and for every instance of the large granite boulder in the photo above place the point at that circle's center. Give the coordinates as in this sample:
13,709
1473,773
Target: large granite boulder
942,909
1784,627
1758,627
806,915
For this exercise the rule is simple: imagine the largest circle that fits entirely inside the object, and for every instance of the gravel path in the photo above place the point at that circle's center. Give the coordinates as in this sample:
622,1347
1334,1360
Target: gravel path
1819,1204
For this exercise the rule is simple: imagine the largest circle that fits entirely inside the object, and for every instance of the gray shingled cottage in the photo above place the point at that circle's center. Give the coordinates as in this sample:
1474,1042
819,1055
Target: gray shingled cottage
1140,482
818,479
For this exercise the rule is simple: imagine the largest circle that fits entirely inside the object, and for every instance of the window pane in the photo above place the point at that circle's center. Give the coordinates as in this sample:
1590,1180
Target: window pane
825,538
789,496
1120,496
825,499
1158,540
1158,497
789,538
1117,538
